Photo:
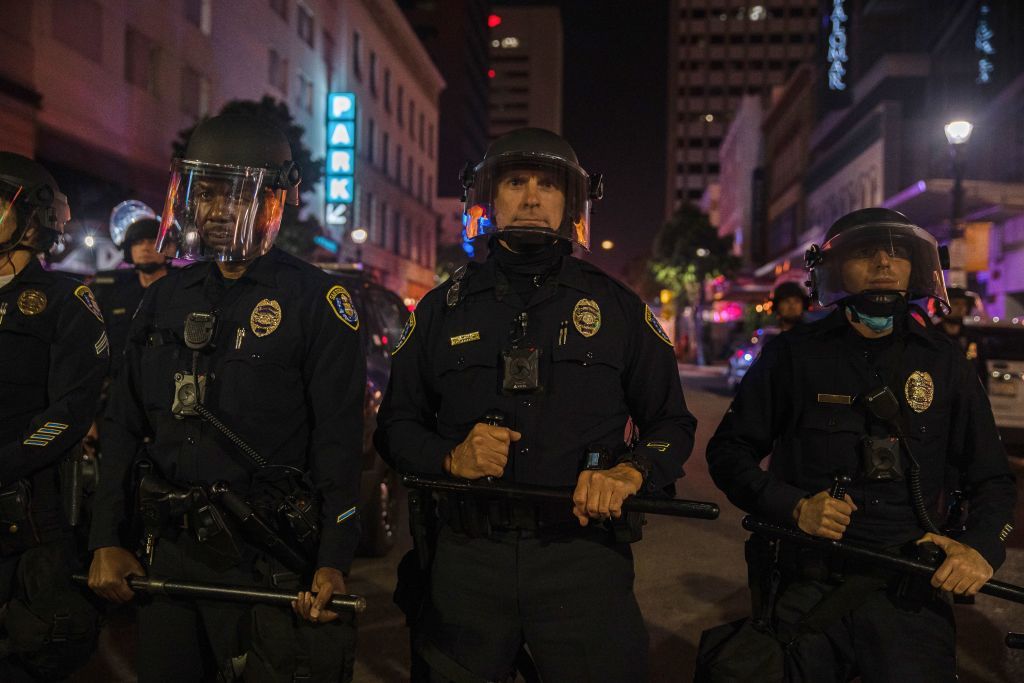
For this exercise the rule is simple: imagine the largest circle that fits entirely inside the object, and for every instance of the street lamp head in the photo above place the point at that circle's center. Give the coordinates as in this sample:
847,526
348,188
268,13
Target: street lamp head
359,235
958,132
607,244
702,252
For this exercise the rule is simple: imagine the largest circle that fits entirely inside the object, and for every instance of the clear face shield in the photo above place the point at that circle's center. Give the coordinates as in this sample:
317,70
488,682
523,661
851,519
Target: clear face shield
21,204
217,212
530,194
878,257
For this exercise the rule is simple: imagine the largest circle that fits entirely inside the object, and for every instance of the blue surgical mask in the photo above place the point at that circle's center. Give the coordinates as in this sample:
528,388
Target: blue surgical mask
876,323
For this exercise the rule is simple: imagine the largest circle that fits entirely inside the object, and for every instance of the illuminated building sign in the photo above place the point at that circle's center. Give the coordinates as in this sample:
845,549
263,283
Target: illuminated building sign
341,159
983,44
837,56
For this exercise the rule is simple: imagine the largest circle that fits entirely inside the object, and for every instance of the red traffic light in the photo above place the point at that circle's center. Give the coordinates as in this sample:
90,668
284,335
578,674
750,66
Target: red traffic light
493,21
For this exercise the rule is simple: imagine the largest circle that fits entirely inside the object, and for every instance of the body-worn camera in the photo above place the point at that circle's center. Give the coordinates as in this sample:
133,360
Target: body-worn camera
521,371
880,456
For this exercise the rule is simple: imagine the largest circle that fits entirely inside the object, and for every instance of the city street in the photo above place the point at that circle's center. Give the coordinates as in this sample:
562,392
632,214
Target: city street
690,576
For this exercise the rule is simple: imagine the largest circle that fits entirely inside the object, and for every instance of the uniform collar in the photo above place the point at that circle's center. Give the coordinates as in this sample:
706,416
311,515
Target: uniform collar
570,274
262,271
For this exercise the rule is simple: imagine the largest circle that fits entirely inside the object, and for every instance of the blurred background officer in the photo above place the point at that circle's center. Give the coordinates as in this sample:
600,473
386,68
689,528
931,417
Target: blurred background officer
134,227
563,355
243,371
961,305
789,303
816,402
53,356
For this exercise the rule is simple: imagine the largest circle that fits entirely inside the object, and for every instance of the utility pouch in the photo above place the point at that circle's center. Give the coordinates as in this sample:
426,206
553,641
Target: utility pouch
17,530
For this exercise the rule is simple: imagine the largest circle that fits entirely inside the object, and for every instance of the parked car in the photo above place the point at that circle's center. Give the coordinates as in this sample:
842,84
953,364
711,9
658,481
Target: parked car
382,317
744,355
998,348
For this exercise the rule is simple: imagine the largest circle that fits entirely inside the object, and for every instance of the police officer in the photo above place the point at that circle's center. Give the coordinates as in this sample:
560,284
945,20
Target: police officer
242,372
120,291
53,356
565,355
789,303
811,401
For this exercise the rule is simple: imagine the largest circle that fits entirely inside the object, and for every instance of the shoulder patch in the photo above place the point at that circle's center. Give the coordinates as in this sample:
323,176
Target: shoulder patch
86,296
341,303
410,325
652,322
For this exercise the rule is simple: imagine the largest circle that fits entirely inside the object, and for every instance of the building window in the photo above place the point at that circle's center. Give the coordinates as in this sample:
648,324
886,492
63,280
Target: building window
304,24
328,49
278,71
141,61
401,106
430,190
398,164
371,136
382,226
385,149
366,213
387,90
430,141
356,49
195,93
419,183
422,122
412,119
396,232
197,13
406,238
408,175
304,96
373,73
79,26
280,8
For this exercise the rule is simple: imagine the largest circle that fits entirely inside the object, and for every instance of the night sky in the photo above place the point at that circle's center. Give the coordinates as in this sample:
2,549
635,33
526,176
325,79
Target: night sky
614,114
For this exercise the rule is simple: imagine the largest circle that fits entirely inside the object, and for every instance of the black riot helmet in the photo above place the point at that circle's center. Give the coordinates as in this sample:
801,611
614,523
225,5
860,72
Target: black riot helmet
29,197
226,196
530,160
142,229
788,289
862,234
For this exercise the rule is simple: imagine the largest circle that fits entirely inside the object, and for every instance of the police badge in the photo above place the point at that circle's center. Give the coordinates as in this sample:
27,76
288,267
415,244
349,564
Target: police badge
31,302
919,391
586,316
265,317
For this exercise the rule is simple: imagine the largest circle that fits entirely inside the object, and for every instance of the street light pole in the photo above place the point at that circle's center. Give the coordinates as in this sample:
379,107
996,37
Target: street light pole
358,237
957,135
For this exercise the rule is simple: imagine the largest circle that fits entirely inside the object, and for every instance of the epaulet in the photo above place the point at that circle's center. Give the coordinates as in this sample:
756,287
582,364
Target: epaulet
458,278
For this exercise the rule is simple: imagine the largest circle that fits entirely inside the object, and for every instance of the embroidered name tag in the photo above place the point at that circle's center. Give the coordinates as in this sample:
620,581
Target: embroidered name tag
837,399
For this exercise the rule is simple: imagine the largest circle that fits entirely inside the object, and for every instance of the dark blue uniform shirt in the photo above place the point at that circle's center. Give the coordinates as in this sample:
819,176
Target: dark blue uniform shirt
596,374
286,374
799,404
53,357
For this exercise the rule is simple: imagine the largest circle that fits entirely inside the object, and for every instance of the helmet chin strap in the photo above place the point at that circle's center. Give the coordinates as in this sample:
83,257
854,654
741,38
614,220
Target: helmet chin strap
877,309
